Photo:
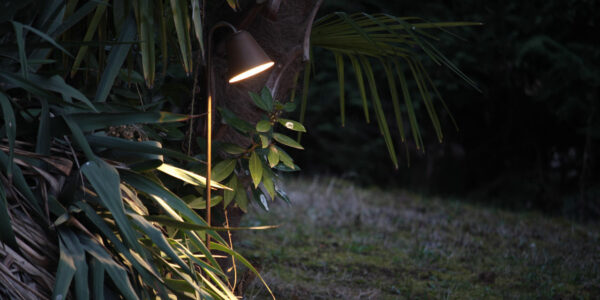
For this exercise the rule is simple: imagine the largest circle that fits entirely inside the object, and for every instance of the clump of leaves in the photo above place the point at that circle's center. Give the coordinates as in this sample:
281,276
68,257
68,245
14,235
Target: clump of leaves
397,44
90,159
263,156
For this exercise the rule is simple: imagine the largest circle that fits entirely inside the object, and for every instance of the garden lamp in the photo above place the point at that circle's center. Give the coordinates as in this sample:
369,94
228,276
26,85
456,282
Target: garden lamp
245,59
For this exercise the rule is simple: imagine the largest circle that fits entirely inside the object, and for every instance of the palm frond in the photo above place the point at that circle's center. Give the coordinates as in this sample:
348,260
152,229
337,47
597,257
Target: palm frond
393,41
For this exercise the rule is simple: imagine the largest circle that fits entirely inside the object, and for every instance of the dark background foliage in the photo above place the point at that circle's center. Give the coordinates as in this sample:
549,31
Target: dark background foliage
527,140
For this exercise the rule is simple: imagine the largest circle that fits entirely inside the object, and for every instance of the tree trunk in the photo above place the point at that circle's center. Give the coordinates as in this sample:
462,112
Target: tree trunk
282,28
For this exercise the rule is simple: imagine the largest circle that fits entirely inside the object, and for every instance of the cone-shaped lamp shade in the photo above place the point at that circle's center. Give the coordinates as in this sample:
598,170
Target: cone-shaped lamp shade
246,57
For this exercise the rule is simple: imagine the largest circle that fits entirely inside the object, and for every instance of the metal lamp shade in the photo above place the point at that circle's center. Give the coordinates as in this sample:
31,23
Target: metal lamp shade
246,57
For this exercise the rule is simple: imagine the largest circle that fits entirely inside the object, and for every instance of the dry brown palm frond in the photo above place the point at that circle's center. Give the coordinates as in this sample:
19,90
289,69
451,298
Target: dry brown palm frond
24,274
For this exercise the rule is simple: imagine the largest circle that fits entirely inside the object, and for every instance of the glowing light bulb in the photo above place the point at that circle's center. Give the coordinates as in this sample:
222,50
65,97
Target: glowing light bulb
249,73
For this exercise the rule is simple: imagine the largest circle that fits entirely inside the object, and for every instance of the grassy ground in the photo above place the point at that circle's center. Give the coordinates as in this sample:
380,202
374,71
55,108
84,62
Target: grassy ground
341,242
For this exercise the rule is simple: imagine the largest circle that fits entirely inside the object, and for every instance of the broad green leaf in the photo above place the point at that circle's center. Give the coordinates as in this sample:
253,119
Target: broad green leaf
97,278
91,29
115,143
168,201
10,125
223,169
186,249
361,85
7,235
105,181
42,145
77,253
285,168
79,138
21,46
426,96
146,32
117,273
57,84
133,201
256,169
159,240
188,176
20,82
232,120
227,194
264,140
339,61
141,266
120,11
197,18
63,24
90,122
286,140
260,197
285,158
21,184
215,246
200,203
141,166
233,149
451,66
263,126
52,9
64,273
273,156
160,15
290,106
260,102
267,181
167,221
181,20
292,125
191,283
412,117
437,93
43,36
361,36
241,199
282,195
379,113
395,102
131,76
179,285
267,98
115,60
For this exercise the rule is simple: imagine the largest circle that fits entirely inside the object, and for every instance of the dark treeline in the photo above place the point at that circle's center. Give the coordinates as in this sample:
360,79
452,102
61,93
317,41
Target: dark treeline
529,139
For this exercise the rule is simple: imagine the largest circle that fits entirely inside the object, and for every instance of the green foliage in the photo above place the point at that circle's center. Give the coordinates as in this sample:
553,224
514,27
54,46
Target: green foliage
92,143
522,140
262,155
99,150
393,42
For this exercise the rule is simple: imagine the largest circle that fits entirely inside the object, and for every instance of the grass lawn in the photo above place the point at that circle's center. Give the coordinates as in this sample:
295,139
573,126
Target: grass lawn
338,241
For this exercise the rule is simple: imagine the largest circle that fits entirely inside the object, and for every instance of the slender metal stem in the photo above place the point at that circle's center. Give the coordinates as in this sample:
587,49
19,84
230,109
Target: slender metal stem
209,109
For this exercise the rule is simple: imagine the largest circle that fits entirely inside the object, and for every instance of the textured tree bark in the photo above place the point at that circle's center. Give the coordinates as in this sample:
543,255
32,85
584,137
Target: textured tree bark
282,28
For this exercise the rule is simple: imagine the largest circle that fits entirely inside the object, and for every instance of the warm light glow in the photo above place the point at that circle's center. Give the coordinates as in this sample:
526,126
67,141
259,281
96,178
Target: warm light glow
251,72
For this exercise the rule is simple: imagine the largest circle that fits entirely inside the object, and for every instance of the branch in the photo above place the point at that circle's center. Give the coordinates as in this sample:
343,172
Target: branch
309,23
275,77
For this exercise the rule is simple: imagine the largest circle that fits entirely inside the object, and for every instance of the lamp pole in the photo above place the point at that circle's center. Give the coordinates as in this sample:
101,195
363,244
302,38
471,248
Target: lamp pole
246,59
210,87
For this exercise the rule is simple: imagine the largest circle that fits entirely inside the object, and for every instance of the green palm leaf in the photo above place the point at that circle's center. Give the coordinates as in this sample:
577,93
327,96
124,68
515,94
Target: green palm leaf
362,37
